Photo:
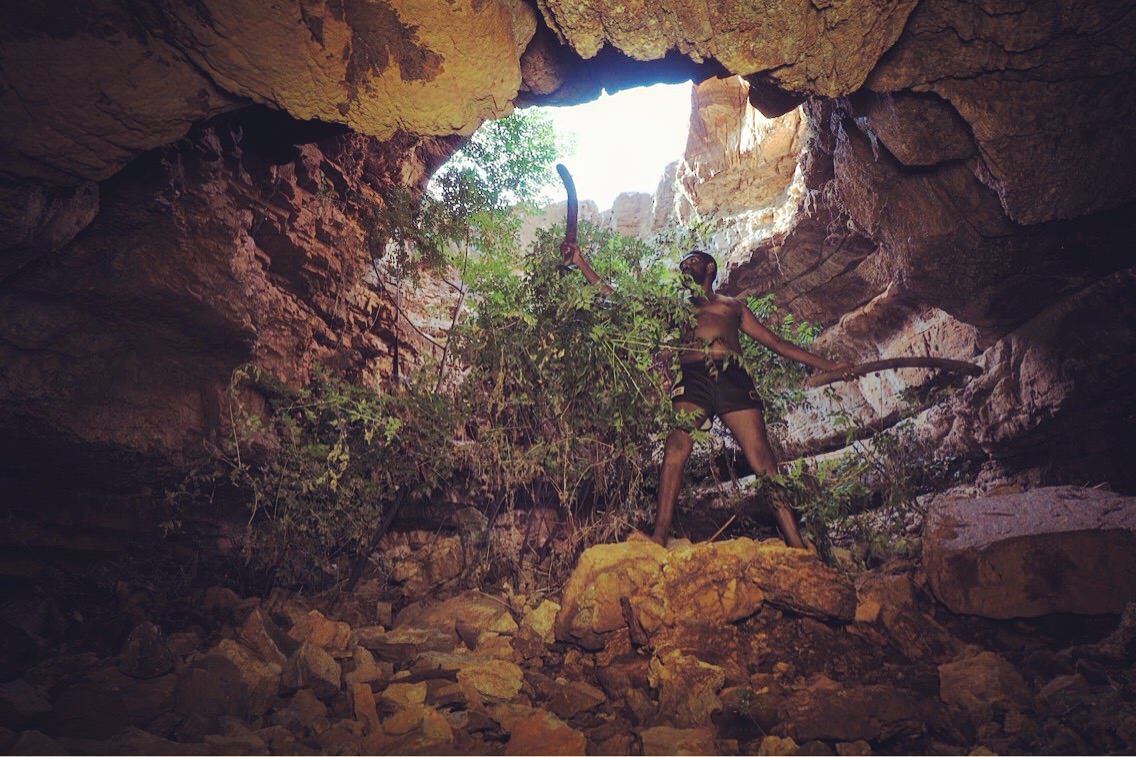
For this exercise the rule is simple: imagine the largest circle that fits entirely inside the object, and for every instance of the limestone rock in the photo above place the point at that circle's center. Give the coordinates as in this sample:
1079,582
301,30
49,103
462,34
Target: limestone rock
363,706
366,669
631,214
472,609
202,232
37,220
1061,549
404,695
798,581
494,679
305,713
404,643
604,573
777,745
260,634
988,87
871,713
977,684
699,585
259,682
331,635
549,215
688,688
132,83
343,737
736,159
778,42
663,740
312,667
542,620
705,584
573,697
424,566
543,733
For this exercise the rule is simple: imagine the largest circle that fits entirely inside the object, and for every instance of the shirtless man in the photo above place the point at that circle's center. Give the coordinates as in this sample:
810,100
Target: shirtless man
712,382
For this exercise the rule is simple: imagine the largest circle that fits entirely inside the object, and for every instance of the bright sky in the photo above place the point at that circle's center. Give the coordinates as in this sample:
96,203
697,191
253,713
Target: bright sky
624,141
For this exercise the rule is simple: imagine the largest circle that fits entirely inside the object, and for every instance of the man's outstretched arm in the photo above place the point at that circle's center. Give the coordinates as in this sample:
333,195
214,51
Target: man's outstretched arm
753,328
572,254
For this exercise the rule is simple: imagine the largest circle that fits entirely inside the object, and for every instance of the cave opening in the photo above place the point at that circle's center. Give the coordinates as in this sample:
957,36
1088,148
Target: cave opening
197,200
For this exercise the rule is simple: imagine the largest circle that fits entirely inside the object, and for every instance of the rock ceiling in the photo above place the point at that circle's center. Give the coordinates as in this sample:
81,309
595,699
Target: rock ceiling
974,156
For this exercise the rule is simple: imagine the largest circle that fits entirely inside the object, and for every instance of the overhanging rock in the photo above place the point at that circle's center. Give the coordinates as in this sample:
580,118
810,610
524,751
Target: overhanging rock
1053,550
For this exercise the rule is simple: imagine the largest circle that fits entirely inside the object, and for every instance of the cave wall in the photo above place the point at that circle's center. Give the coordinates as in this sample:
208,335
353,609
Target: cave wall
233,246
955,158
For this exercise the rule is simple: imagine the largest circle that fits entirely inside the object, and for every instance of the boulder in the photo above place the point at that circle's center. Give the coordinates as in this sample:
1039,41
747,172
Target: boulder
363,706
472,610
260,634
312,667
332,635
705,584
146,655
697,585
798,581
366,669
542,620
774,746
404,695
719,582
402,644
1041,551
590,604
494,679
259,681
976,684
688,688
573,697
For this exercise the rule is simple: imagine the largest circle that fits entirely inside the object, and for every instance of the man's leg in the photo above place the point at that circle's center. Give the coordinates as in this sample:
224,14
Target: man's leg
748,427
675,453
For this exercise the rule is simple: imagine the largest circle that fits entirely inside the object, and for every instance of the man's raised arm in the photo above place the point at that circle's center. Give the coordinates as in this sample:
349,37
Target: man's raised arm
753,328
572,254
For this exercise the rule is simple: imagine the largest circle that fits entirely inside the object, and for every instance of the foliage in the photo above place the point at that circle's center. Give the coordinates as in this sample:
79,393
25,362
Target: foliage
869,495
469,201
569,391
319,467
780,382
505,163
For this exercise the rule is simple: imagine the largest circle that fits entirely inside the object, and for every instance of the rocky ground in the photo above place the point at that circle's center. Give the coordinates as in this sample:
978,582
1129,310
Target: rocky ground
729,647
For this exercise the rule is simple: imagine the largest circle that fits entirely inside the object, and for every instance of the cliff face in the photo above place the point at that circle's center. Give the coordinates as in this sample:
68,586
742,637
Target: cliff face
954,164
847,233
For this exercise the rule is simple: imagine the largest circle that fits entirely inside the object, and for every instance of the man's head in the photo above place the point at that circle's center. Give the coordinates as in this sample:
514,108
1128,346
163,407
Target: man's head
700,266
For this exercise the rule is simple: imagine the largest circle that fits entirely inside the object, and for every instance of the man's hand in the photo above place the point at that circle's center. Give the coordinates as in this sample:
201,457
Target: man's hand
570,253
843,367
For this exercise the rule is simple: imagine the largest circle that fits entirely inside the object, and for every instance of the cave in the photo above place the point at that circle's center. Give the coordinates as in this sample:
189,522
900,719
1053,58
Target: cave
188,188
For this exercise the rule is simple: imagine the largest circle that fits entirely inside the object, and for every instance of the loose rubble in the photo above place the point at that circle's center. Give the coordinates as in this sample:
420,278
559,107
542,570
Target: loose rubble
733,647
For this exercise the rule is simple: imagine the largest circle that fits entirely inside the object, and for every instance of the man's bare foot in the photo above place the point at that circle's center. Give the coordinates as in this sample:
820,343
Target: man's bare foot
638,535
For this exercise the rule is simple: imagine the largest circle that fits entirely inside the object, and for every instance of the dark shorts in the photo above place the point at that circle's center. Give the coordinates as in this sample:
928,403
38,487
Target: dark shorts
716,389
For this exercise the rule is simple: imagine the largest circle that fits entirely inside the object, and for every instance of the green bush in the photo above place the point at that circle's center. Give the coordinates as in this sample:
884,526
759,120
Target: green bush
317,469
